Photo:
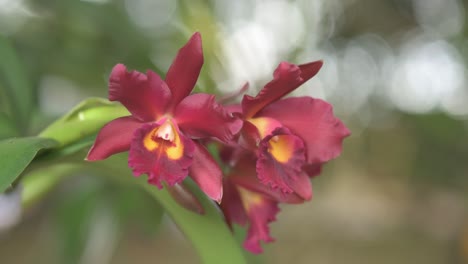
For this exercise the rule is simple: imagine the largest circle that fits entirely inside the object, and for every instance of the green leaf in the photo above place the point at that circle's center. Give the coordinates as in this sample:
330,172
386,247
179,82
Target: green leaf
16,154
17,89
199,229
208,233
7,127
84,120
69,153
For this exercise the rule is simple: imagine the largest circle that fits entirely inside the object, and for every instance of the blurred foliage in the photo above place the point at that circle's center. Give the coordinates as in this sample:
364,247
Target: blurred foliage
16,155
412,158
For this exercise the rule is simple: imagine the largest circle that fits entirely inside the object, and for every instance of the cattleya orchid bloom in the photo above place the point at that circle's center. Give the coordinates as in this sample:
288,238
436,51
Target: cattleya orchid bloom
247,201
165,122
241,206
284,143
269,146
292,137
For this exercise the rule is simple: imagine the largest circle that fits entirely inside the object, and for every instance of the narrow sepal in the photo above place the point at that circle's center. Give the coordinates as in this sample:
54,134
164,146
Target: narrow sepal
145,96
206,173
185,198
113,138
286,78
183,73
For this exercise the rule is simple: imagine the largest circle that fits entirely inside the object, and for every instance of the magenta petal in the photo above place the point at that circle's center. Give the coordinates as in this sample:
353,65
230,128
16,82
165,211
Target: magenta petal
231,204
183,73
242,206
234,109
185,198
302,186
244,174
156,163
253,184
260,213
199,116
206,173
276,173
113,138
145,96
309,70
286,78
249,136
314,122
312,170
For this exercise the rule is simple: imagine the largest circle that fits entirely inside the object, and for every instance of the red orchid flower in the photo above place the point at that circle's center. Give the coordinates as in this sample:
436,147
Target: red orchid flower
284,142
246,201
165,121
243,206
292,137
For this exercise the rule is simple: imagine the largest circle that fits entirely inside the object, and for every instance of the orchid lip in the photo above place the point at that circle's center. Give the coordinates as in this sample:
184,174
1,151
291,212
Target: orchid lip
165,137
166,132
280,148
265,125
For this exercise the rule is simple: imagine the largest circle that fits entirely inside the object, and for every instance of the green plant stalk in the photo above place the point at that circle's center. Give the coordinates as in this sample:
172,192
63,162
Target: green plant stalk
208,233
83,120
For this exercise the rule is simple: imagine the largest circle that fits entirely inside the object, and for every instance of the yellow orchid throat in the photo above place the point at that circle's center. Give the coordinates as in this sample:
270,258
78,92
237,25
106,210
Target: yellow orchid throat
281,148
165,138
264,125
249,199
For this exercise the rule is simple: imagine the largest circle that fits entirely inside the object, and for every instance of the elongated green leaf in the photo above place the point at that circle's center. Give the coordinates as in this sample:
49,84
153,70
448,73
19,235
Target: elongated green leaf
7,128
17,88
208,233
16,154
84,120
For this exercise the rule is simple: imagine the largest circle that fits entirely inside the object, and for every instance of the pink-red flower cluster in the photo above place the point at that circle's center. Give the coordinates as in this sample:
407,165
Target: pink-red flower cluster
270,146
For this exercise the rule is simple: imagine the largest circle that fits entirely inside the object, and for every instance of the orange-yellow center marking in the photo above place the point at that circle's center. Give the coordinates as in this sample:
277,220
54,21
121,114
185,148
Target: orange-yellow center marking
176,150
149,141
249,199
281,148
167,139
265,125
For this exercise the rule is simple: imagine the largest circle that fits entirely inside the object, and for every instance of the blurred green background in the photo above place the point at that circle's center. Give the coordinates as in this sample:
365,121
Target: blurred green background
395,71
